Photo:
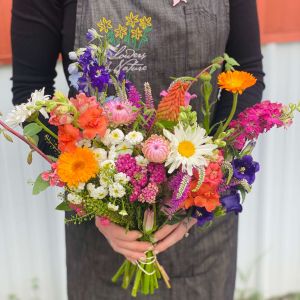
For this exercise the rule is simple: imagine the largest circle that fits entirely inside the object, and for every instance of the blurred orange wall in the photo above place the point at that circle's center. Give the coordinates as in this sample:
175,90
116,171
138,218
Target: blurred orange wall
279,22
5,50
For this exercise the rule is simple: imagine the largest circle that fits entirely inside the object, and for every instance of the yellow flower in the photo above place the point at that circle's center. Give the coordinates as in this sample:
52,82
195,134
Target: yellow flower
132,19
104,25
121,31
145,22
136,33
236,81
77,167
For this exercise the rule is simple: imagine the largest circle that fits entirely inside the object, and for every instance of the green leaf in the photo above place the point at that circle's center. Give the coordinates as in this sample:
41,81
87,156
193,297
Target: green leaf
218,60
33,139
165,124
63,206
40,185
32,129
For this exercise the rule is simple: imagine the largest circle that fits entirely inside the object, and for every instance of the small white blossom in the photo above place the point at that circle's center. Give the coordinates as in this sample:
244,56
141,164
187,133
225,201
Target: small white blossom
104,181
108,164
121,178
100,154
134,137
124,148
97,193
141,161
106,139
112,206
123,213
18,115
75,199
112,154
116,190
80,186
73,68
72,55
84,143
116,136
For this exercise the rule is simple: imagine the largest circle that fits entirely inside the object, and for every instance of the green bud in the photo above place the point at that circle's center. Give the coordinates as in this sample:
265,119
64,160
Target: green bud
205,76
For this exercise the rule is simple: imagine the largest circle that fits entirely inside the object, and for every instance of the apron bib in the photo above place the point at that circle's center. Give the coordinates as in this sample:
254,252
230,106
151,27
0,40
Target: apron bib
183,40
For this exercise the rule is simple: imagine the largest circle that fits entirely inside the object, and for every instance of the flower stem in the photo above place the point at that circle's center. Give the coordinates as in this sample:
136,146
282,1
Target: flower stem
21,137
119,272
233,110
137,282
45,128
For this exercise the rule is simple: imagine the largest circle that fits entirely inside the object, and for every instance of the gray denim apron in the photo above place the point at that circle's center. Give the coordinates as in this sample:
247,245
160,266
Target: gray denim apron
184,39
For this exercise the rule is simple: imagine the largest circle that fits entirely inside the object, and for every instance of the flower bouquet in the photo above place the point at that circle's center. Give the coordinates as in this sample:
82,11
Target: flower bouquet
119,157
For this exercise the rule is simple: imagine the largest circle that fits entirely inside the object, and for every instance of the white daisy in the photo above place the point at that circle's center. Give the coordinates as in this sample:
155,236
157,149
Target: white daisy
121,178
116,136
75,199
189,148
112,206
134,137
116,190
142,161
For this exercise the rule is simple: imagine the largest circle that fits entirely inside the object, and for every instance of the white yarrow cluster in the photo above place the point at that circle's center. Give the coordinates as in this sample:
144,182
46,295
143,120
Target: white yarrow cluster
121,178
97,193
75,199
116,190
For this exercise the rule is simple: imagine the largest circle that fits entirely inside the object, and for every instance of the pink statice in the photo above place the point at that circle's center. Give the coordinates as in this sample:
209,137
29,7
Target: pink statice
157,173
156,149
149,193
52,177
120,112
256,120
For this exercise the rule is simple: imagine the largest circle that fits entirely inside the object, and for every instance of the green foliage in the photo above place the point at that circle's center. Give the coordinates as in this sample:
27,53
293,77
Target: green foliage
201,174
32,129
164,124
63,206
227,168
187,117
29,157
39,185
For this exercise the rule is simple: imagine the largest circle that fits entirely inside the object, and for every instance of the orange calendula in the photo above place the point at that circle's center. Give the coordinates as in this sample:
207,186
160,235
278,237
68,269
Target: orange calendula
236,81
77,167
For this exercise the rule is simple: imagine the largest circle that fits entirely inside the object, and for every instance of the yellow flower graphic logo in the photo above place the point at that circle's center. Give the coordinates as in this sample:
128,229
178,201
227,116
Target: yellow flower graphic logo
104,25
121,31
145,22
132,19
136,33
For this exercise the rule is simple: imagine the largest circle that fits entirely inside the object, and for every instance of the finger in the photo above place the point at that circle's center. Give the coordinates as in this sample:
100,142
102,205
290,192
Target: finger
164,231
131,259
134,246
134,255
175,236
114,231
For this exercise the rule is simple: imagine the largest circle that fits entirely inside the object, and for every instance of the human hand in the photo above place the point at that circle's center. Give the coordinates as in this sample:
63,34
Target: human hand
169,235
124,242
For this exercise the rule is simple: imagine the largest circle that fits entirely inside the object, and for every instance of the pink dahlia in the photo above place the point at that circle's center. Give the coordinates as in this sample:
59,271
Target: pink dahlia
156,148
120,112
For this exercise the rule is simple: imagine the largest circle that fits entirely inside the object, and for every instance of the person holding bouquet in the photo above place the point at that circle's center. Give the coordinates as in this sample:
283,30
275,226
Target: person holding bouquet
153,41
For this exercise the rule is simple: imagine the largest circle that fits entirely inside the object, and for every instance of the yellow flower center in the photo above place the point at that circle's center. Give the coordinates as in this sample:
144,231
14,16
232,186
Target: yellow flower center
186,148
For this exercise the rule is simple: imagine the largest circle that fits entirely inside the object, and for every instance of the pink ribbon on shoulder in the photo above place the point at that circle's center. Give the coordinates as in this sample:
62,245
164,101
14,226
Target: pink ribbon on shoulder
175,2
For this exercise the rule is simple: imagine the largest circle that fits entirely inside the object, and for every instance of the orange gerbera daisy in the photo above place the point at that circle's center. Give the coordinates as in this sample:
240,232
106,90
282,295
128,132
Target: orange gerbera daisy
77,166
236,81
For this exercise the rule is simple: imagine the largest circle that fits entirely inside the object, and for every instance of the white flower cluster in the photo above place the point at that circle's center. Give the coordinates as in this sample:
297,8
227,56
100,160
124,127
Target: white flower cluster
23,111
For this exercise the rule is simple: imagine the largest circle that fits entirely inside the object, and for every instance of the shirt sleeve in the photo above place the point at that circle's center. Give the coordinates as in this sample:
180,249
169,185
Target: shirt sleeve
40,31
243,45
